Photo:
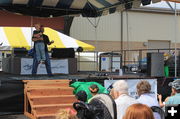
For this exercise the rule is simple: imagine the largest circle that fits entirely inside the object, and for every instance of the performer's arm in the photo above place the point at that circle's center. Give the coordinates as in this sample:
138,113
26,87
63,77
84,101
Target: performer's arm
51,42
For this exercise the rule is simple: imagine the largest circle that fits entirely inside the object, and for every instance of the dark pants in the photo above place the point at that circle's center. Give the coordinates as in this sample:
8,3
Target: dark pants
47,64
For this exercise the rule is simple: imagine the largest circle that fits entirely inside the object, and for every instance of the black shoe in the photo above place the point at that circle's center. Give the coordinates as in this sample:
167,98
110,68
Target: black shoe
34,75
50,75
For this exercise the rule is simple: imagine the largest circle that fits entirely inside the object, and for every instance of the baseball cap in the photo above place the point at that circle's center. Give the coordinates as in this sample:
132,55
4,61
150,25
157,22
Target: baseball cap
175,84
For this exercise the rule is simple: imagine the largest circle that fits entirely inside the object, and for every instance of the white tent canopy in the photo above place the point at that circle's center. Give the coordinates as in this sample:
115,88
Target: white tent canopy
21,37
162,5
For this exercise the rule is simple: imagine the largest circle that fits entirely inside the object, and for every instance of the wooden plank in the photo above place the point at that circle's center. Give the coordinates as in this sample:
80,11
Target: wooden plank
29,115
62,99
46,116
40,81
48,85
50,109
50,91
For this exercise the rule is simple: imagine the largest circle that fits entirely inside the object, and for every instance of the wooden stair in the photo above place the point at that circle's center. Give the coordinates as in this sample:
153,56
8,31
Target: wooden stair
44,98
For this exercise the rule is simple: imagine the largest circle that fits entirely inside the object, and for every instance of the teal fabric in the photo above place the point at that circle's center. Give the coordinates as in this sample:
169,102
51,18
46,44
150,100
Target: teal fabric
78,86
174,99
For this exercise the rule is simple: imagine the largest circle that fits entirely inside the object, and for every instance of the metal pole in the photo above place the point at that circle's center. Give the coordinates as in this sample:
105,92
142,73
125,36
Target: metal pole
96,44
31,30
175,39
121,31
127,25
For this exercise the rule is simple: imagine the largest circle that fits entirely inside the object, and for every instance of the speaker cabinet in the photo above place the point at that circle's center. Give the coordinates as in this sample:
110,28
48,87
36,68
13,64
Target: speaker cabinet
155,64
63,53
20,52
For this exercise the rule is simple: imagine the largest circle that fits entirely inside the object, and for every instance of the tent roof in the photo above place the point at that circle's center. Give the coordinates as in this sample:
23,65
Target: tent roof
47,8
18,37
164,5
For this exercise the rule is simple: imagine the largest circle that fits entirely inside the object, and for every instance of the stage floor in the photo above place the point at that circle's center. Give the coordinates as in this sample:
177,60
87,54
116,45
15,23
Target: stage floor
78,76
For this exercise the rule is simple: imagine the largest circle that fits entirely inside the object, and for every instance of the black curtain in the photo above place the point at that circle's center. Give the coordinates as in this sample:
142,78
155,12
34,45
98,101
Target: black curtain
11,97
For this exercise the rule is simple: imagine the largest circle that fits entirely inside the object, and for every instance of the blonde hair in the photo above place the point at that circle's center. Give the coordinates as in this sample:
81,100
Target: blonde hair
66,114
143,87
138,111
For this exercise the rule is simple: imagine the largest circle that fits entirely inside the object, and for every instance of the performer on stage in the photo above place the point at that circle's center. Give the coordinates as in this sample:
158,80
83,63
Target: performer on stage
39,44
47,61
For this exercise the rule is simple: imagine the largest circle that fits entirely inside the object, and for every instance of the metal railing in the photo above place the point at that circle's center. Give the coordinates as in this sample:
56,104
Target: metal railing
136,56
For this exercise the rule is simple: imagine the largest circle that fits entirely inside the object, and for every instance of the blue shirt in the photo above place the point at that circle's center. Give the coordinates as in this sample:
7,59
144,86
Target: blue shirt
174,99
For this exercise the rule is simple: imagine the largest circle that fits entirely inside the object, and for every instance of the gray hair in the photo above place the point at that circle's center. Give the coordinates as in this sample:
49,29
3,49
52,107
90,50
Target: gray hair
121,86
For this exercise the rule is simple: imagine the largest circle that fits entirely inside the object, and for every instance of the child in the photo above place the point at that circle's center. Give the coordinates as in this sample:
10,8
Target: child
39,44
66,114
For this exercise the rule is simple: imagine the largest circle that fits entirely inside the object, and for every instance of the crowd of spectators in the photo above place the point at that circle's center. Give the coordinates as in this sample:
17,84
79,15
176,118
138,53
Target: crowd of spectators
128,107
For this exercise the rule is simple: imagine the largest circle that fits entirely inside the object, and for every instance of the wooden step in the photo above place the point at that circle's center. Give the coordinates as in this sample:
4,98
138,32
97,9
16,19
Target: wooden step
61,84
51,108
49,91
58,99
46,116
45,81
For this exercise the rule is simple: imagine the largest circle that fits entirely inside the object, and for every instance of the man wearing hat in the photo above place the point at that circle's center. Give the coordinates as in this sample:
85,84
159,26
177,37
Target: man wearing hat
176,90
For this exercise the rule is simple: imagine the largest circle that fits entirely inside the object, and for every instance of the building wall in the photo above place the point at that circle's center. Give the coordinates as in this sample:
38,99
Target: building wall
11,19
138,28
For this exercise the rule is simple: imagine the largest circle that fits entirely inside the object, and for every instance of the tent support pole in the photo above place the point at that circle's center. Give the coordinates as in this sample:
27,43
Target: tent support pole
170,6
121,31
175,39
31,30
127,26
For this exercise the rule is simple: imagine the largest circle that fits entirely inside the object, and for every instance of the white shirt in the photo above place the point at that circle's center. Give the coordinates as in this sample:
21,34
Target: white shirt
122,103
149,100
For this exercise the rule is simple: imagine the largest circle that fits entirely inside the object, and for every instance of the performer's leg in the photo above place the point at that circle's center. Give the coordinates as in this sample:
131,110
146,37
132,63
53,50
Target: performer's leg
42,51
48,64
38,51
35,65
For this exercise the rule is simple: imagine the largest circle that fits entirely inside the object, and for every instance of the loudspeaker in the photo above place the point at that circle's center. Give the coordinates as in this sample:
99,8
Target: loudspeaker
20,52
79,49
128,5
155,64
63,53
146,2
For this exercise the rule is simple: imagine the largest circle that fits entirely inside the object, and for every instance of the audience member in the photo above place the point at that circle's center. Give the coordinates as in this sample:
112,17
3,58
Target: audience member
162,103
122,99
138,111
81,96
94,90
66,114
146,97
176,91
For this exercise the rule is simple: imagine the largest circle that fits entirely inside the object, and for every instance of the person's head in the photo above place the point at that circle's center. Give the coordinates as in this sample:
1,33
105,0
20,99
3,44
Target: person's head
143,87
42,28
175,86
138,111
81,96
119,87
37,26
66,114
94,89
